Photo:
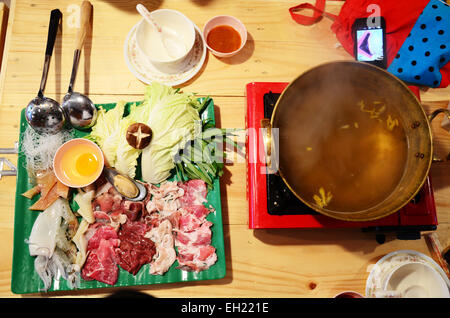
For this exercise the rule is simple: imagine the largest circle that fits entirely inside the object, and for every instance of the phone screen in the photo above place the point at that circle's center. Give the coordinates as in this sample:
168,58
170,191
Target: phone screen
369,45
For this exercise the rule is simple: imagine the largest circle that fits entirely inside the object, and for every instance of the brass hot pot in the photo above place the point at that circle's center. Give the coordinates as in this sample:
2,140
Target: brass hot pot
350,140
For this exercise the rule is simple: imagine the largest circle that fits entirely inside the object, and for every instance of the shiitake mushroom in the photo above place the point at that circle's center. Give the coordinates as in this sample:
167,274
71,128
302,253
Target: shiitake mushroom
139,135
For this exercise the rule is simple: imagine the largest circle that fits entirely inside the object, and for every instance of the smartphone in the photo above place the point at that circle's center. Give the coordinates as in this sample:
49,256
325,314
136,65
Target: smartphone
369,35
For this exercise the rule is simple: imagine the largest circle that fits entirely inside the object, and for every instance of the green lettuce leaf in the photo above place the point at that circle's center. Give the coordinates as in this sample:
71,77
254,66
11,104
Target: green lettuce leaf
171,115
109,133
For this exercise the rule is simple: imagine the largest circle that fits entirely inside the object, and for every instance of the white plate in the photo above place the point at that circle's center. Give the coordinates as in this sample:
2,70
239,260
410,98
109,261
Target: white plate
147,72
390,262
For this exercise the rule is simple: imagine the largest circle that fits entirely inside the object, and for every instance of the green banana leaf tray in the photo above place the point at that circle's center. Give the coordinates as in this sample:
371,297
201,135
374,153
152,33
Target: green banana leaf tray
26,281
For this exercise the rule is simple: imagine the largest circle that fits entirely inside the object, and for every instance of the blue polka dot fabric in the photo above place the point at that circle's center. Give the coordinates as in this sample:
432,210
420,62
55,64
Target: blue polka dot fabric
426,49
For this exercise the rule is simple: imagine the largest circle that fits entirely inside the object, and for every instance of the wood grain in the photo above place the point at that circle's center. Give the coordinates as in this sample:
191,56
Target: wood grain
260,263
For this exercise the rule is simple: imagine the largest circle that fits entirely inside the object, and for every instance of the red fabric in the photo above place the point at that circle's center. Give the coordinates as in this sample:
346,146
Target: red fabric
445,72
400,17
309,20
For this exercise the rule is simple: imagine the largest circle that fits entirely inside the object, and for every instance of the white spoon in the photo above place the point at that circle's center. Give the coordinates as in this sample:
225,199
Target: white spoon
169,38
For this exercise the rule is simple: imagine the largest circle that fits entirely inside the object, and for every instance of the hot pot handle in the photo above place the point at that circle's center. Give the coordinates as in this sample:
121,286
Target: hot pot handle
270,152
430,118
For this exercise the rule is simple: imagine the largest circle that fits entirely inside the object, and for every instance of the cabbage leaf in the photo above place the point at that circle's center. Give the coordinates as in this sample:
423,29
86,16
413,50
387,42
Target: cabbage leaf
172,116
109,133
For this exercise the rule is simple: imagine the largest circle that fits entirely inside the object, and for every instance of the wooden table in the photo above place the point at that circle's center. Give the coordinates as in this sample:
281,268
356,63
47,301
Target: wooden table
260,263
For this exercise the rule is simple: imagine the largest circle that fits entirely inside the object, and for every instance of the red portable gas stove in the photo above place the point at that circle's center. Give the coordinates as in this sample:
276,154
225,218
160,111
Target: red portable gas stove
272,205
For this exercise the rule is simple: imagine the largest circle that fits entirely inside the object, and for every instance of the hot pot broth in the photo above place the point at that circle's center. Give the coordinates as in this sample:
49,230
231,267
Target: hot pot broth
350,144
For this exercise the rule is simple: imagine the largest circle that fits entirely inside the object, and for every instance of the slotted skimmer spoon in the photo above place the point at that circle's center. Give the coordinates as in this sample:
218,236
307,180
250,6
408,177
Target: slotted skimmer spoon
44,114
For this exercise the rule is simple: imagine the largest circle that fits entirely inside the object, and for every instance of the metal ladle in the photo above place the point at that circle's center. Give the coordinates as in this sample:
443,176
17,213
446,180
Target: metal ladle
80,110
44,114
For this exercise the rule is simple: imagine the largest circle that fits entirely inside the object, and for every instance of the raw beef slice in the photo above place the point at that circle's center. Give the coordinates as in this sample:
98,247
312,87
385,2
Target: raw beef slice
100,264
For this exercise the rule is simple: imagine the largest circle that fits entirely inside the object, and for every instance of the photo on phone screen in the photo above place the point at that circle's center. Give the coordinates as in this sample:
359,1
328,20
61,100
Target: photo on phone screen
369,42
370,45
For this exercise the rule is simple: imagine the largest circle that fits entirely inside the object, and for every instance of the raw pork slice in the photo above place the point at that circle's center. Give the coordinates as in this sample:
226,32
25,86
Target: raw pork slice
165,199
193,233
200,236
196,258
165,251
194,193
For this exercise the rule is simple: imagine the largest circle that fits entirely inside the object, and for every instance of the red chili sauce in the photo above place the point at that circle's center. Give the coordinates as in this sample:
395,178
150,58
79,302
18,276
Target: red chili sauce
224,38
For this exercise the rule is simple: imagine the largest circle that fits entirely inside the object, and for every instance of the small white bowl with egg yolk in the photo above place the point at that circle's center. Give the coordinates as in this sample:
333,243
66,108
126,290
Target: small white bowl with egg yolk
78,163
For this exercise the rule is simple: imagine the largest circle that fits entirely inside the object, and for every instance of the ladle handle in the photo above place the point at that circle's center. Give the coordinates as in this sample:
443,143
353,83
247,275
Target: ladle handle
270,142
55,17
85,16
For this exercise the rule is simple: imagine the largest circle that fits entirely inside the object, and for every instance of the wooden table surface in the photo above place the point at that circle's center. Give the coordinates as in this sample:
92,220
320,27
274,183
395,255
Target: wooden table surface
260,263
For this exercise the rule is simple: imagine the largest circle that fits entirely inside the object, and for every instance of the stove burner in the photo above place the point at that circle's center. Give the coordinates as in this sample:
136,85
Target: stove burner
281,200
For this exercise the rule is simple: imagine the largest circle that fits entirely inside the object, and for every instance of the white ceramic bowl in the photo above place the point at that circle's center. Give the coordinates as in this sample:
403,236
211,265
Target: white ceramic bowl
228,20
417,280
149,42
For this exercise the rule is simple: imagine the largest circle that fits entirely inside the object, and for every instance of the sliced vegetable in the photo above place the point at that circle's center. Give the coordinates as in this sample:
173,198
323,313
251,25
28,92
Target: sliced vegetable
84,199
203,156
81,242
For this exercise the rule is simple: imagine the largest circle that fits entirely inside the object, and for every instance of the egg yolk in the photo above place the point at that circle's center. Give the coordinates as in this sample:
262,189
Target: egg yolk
86,164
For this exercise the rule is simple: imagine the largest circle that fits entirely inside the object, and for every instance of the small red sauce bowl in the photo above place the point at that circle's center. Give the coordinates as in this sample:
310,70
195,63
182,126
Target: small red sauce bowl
229,21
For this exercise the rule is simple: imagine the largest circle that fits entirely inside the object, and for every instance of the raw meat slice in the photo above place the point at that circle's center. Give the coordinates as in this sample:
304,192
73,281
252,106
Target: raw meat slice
194,193
109,200
133,209
104,202
196,258
188,222
193,233
200,236
102,233
198,210
165,198
101,261
165,252
100,264
135,250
